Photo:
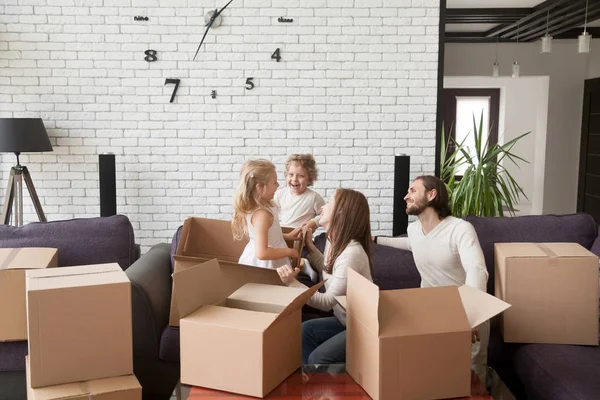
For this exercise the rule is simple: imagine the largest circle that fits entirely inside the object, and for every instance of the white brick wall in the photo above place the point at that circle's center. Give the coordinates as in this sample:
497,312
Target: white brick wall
356,84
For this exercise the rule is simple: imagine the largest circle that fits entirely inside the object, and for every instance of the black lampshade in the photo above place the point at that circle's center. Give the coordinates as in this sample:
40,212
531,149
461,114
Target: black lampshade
23,135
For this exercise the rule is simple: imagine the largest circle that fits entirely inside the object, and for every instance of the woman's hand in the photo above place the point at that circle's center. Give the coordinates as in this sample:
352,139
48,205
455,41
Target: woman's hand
308,242
287,274
475,335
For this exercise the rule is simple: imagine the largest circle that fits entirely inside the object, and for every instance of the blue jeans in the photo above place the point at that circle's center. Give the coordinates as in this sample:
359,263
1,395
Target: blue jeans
323,341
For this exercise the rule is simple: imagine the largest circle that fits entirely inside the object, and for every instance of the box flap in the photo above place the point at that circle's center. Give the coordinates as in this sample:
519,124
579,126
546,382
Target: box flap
362,300
209,238
85,275
111,385
299,301
411,312
28,258
233,318
480,306
261,297
567,250
520,250
212,282
342,301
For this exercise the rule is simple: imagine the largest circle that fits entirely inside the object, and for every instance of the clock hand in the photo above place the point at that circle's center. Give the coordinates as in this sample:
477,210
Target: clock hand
224,7
212,19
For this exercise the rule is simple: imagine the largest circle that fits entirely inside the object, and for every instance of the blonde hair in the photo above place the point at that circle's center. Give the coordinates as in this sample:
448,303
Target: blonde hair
306,161
248,196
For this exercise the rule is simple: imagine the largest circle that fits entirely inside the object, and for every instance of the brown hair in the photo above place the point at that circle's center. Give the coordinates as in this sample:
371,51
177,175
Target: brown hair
248,196
441,202
306,161
351,219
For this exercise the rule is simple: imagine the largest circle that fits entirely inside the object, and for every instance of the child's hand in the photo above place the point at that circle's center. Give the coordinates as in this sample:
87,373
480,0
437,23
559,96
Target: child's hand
287,274
294,254
293,235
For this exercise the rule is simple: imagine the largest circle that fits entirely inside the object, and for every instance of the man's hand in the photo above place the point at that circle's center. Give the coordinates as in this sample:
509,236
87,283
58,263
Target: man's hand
475,335
287,274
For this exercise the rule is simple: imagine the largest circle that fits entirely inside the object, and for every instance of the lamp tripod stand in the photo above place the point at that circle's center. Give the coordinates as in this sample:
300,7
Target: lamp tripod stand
14,195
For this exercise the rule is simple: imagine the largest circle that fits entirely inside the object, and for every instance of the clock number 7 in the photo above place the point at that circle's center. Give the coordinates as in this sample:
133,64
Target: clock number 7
176,82
275,55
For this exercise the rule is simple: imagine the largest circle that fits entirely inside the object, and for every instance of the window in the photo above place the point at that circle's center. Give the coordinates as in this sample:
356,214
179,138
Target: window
459,107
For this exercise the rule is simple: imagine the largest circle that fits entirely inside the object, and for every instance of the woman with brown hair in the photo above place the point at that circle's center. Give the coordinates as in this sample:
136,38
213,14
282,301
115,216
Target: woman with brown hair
347,219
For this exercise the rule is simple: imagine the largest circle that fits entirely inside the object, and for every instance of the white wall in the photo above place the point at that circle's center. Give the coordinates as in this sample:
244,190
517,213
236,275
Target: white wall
356,84
523,108
567,71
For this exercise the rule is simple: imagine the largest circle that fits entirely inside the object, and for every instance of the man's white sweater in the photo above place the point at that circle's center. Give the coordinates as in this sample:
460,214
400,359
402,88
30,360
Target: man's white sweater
449,255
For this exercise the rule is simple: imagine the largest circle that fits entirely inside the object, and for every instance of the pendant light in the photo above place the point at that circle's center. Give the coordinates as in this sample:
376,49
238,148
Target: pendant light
585,38
496,67
547,39
516,68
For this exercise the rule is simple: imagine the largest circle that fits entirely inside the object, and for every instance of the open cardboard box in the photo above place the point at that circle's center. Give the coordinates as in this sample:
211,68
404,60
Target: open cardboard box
238,334
553,289
413,343
13,264
124,387
201,240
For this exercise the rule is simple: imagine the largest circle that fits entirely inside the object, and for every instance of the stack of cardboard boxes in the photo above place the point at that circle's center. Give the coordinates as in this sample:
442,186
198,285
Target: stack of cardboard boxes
239,325
80,337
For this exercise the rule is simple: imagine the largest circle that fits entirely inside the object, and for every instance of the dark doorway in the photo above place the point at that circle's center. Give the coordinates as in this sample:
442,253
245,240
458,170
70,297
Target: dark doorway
588,192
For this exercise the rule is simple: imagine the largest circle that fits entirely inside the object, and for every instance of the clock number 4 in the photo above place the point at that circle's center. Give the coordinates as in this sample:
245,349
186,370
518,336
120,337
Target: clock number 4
176,82
249,83
275,55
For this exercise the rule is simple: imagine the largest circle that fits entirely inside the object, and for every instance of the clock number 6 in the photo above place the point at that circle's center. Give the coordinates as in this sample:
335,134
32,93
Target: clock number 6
275,55
176,82
249,83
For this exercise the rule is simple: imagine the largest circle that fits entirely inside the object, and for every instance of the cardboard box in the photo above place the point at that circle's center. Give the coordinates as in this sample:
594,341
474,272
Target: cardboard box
79,324
413,343
201,240
13,263
553,289
118,388
238,337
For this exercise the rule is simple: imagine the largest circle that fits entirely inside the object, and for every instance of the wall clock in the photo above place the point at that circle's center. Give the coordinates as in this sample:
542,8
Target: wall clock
213,19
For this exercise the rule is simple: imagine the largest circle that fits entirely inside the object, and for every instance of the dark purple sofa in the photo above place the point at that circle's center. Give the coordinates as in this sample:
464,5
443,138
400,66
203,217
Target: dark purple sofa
79,242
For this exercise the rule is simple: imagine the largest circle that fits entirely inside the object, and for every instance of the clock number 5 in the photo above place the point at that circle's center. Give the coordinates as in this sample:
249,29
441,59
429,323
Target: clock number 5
176,82
249,83
275,55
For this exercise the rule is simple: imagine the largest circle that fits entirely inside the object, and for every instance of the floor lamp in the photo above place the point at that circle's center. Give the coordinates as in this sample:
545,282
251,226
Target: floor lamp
21,135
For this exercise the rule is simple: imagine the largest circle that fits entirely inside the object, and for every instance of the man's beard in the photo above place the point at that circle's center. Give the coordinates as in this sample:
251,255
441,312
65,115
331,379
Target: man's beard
416,207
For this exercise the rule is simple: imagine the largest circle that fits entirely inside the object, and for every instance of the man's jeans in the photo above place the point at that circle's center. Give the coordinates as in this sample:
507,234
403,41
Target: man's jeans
323,341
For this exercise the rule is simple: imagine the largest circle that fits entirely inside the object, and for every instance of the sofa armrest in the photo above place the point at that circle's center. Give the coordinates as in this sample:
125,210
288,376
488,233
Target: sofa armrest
151,283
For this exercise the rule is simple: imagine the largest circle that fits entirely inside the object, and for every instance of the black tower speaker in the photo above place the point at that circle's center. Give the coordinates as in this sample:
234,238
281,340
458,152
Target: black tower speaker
108,185
401,184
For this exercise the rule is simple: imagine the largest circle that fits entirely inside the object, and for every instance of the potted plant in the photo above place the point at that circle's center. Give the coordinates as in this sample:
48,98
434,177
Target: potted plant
485,188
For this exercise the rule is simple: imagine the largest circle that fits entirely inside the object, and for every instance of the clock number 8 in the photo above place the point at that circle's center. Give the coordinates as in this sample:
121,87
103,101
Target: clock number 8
150,55
275,55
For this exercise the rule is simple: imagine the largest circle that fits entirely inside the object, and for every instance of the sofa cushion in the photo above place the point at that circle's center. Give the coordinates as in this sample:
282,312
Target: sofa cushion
169,344
578,228
12,355
79,241
558,371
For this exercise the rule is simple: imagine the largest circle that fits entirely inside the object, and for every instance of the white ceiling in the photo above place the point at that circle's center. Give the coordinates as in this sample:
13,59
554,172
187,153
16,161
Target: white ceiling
491,3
